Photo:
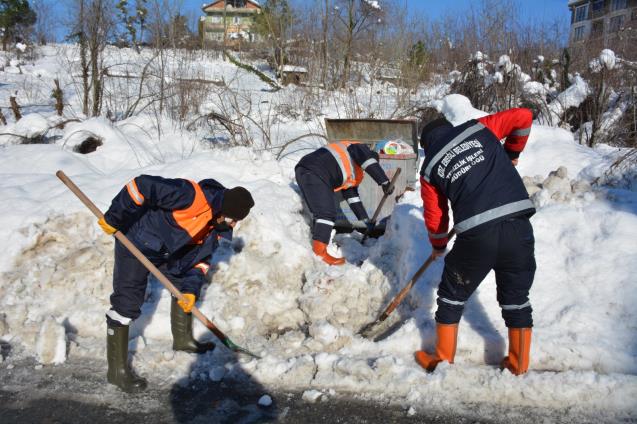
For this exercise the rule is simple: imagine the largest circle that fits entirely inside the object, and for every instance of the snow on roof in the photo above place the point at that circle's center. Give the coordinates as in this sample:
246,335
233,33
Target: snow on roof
291,68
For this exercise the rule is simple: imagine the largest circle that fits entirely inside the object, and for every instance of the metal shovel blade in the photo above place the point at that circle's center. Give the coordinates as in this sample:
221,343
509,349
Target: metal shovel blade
236,348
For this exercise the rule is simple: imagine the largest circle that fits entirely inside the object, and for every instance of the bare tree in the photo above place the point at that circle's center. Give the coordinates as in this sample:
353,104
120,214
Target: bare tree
273,24
354,18
92,26
44,27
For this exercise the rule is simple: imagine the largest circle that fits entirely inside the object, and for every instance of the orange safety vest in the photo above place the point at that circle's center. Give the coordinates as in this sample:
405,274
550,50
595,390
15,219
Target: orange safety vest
352,172
195,218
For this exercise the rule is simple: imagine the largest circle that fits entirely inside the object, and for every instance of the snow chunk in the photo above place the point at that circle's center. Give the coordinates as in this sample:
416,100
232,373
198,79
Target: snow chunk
608,59
312,395
373,4
324,332
505,64
265,400
478,56
51,343
535,88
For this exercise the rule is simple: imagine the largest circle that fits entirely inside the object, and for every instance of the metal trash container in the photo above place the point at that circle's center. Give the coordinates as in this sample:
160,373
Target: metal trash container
371,132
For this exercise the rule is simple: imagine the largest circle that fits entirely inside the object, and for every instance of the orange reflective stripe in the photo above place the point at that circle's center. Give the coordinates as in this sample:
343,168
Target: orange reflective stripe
134,193
196,217
347,165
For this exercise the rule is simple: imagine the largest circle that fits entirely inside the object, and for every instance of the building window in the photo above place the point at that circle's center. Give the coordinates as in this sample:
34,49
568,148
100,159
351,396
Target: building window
578,33
617,5
616,23
597,8
597,29
581,13
215,19
236,20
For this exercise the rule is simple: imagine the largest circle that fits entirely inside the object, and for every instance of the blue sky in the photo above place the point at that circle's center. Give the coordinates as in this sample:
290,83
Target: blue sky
537,11
540,10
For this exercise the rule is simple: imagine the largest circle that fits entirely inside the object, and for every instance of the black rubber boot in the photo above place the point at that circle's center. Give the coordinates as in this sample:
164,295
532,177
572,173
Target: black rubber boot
119,372
181,327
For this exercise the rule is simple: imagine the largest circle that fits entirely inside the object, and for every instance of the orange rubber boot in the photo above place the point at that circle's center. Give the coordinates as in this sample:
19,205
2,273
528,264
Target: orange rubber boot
519,347
320,249
445,347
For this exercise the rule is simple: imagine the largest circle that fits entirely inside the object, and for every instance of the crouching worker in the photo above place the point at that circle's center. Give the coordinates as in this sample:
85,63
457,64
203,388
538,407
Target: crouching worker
336,167
176,224
468,166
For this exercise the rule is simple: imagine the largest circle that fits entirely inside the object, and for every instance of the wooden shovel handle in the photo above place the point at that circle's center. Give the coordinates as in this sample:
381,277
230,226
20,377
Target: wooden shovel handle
401,295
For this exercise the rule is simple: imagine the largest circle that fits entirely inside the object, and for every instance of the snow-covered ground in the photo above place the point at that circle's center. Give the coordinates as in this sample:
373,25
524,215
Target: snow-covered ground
271,295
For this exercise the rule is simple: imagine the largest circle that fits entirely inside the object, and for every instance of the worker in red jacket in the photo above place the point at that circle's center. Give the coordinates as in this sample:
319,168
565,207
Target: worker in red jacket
176,224
338,166
468,167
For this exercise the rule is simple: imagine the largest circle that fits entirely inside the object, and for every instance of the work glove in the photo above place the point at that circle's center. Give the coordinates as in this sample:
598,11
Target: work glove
387,188
187,303
106,227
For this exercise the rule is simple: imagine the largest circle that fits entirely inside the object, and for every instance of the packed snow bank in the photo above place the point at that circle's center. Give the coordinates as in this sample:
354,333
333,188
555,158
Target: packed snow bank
271,295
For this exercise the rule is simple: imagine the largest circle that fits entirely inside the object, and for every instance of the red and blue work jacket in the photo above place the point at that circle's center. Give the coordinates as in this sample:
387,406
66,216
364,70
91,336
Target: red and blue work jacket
468,167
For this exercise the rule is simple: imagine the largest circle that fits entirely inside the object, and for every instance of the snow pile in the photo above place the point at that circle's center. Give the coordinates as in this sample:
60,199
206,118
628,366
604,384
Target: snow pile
30,127
571,97
557,187
61,273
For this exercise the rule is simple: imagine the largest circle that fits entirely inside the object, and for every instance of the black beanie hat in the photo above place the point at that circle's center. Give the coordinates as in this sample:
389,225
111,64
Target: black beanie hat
430,129
236,203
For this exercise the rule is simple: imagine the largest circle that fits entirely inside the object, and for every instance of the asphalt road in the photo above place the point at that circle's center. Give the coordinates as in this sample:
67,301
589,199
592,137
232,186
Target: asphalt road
76,392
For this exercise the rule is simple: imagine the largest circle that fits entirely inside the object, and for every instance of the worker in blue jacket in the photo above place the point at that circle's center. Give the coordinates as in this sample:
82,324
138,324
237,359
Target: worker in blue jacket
336,167
176,224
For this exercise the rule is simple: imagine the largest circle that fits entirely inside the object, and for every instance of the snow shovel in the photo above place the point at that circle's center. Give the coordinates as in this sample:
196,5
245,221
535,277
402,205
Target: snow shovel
367,330
380,206
152,268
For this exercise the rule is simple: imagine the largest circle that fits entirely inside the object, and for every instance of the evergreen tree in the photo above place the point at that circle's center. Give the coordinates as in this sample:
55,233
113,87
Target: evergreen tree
134,24
15,17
